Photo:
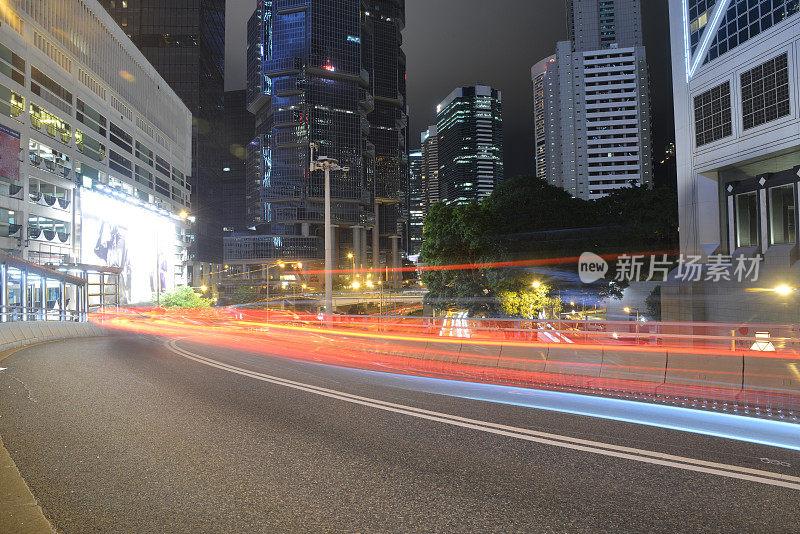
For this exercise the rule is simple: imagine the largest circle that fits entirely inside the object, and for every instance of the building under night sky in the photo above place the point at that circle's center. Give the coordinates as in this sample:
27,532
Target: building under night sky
185,41
332,72
470,139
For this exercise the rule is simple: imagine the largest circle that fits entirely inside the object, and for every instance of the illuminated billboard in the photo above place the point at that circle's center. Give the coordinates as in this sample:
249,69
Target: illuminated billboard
116,232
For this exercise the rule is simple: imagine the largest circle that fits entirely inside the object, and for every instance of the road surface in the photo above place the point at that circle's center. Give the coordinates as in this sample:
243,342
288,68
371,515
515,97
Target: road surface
138,434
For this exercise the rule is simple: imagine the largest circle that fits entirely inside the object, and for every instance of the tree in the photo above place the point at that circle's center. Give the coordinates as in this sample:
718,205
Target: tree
246,294
529,302
183,297
653,304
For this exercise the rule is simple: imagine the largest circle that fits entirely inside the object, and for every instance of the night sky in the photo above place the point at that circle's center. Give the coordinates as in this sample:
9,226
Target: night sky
449,43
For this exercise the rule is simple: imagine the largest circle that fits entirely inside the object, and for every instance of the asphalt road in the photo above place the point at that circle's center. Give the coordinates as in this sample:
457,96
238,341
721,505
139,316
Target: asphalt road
124,434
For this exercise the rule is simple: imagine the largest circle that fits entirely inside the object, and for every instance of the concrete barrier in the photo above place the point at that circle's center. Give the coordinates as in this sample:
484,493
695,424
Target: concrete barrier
766,373
483,354
718,369
19,334
576,361
441,351
634,364
522,357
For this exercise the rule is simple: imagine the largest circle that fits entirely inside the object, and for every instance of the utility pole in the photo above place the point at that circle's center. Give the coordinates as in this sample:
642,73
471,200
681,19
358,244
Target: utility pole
327,164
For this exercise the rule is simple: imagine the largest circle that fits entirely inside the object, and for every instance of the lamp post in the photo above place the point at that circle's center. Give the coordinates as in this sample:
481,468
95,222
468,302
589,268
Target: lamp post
353,260
327,164
281,265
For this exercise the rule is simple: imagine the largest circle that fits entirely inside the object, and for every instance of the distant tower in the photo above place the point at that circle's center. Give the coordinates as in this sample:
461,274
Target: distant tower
416,201
430,167
332,72
592,98
470,134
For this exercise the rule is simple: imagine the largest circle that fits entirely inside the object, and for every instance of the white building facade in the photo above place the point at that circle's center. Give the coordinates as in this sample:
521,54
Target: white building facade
592,103
95,148
736,78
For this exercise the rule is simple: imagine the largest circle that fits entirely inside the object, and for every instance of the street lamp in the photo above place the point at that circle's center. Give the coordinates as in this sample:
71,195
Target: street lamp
327,164
278,264
536,284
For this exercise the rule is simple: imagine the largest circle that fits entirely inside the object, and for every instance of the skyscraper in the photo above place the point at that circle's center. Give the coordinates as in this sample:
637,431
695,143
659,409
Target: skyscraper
430,167
331,72
185,41
416,202
469,124
238,129
544,86
592,100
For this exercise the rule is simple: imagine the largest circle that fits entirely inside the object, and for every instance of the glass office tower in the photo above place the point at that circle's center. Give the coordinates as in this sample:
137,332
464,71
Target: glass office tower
185,41
469,124
331,72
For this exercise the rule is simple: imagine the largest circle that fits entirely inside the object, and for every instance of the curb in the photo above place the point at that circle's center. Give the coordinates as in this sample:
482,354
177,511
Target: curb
20,513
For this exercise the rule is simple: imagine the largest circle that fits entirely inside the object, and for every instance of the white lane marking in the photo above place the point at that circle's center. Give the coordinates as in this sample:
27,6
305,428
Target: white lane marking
595,447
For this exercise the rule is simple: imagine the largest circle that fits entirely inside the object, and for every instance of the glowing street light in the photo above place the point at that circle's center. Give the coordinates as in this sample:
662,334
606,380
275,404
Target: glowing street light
203,288
537,284
183,215
783,290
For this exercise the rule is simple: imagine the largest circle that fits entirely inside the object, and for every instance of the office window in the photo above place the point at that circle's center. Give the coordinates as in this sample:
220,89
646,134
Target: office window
765,92
712,114
121,164
121,138
747,219
782,215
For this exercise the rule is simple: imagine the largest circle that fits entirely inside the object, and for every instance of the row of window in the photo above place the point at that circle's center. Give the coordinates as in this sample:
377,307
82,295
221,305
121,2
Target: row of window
781,217
765,98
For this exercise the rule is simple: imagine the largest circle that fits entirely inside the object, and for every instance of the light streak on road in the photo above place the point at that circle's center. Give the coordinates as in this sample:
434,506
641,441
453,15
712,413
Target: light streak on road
444,351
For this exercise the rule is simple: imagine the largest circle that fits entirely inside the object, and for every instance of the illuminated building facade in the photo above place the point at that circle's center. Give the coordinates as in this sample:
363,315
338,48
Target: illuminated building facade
416,202
185,41
736,80
469,126
430,167
592,101
331,72
95,148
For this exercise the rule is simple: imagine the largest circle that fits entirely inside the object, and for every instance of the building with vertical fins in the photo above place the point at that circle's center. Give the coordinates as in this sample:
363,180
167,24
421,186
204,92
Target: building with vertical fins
430,168
469,126
736,81
185,41
416,209
544,87
592,102
330,72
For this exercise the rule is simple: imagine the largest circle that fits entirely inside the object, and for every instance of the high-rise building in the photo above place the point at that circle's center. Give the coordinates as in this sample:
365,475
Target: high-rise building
544,90
430,167
736,85
330,72
416,202
95,149
238,129
592,99
469,125
185,41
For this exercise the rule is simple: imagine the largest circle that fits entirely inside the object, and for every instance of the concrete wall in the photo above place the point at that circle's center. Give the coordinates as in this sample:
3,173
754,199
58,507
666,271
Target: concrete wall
19,334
